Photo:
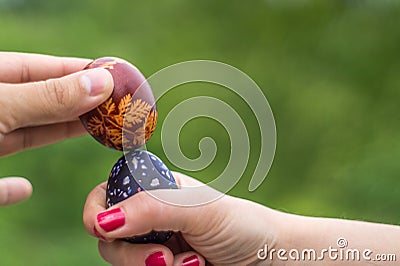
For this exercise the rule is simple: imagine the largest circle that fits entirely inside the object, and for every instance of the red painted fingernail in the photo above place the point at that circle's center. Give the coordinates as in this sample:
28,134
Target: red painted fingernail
191,261
111,220
98,234
156,259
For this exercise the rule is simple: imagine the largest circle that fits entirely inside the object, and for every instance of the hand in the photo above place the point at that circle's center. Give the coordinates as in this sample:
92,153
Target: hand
41,98
228,231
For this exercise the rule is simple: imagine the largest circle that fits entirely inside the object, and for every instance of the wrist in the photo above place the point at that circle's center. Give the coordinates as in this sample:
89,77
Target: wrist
266,229
283,229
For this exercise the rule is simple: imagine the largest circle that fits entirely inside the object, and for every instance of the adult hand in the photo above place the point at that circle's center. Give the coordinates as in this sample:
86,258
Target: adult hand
228,231
41,98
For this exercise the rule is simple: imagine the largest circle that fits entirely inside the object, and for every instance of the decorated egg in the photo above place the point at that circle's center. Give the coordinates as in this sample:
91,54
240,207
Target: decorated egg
127,119
134,172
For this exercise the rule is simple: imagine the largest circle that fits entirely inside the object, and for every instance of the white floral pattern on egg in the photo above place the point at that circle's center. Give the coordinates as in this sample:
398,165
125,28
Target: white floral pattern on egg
134,172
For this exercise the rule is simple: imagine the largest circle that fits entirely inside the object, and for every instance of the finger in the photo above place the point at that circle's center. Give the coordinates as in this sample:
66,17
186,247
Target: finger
95,203
189,258
13,190
33,137
142,213
24,67
53,100
120,253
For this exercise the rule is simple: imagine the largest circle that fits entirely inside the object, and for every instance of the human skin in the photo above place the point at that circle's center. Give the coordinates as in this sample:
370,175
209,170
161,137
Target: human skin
230,231
41,98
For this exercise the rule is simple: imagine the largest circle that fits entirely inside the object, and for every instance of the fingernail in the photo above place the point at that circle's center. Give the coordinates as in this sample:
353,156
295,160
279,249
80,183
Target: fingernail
156,259
96,80
111,220
191,261
98,234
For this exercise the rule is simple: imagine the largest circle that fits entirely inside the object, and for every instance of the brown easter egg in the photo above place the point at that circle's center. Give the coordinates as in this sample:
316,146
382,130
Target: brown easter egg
127,119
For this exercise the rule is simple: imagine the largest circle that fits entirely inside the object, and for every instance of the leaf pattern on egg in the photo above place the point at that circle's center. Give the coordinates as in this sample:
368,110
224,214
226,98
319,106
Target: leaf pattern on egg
110,122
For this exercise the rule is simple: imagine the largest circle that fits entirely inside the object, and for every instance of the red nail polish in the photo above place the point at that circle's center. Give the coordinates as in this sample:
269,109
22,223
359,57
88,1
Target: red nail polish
191,261
98,234
111,220
156,259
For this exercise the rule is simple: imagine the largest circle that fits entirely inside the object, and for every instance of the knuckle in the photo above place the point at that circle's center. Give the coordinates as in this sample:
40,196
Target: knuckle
27,139
25,72
9,119
56,92
58,95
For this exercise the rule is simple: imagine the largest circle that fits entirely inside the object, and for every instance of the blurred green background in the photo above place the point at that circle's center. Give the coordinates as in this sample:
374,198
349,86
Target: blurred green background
330,70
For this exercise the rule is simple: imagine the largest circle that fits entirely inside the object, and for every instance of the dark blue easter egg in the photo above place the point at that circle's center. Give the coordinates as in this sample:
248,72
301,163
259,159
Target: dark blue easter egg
134,172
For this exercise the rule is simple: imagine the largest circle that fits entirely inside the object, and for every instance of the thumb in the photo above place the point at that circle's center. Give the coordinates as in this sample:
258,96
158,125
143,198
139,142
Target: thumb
13,190
145,212
54,100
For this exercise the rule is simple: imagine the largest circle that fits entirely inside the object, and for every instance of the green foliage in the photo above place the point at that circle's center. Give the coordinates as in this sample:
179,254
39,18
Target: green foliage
328,68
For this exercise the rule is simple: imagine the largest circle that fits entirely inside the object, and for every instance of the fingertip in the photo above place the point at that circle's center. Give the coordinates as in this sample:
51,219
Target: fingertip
25,187
97,81
189,258
124,253
95,203
14,189
97,234
158,255
23,181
